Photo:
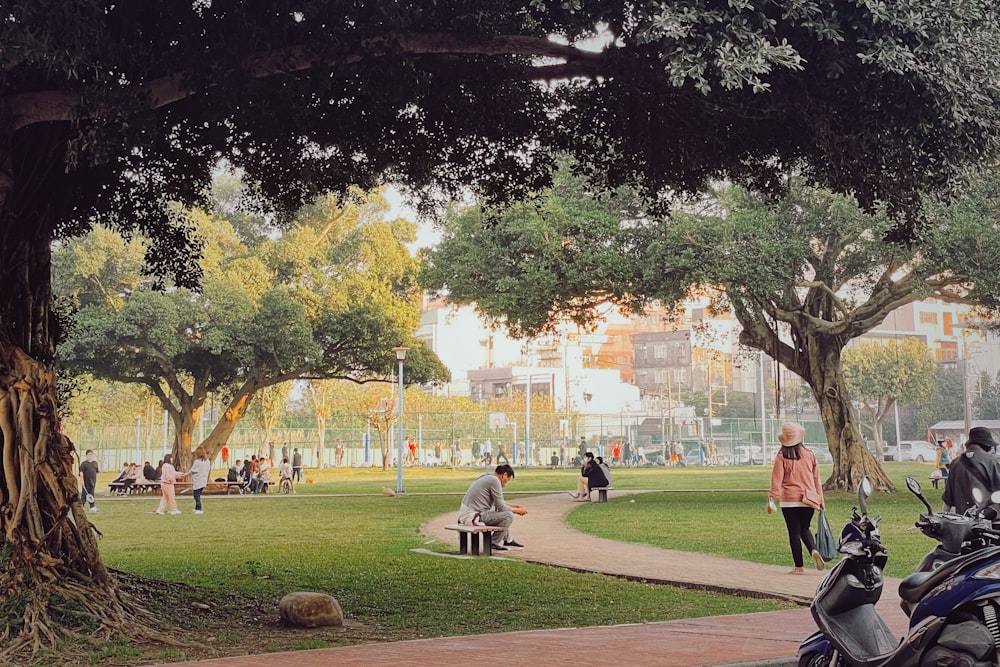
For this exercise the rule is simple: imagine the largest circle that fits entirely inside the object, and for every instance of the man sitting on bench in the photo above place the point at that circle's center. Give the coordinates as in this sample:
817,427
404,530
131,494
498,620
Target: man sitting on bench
483,505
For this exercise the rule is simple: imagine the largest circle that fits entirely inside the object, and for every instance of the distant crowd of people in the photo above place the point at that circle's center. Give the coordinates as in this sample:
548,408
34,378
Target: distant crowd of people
255,473
132,474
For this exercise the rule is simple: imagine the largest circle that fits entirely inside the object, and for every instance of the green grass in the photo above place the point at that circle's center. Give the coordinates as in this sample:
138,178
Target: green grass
342,536
358,548
734,524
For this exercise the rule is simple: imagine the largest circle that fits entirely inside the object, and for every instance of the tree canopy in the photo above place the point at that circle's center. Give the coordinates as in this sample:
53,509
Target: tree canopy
140,100
803,275
328,298
881,375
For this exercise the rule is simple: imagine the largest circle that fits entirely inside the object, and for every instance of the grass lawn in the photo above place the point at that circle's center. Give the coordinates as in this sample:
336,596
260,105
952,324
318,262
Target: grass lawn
239,557
216,578
734,523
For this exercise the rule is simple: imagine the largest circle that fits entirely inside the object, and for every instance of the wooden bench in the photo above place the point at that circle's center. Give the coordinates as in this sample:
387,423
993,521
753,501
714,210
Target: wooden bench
118,488
123,489
602,493
475,531
224,487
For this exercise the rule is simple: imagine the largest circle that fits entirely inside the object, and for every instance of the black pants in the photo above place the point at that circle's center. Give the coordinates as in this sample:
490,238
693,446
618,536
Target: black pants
797,520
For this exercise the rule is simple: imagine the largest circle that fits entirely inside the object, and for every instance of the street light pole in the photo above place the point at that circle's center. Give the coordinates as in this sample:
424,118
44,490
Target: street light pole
527,422
400,358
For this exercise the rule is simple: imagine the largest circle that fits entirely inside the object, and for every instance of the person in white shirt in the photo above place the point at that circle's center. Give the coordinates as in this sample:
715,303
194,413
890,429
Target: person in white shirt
201,469
285,472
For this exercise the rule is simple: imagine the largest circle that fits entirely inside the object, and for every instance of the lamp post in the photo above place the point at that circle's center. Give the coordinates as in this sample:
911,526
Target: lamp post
964,355
400,358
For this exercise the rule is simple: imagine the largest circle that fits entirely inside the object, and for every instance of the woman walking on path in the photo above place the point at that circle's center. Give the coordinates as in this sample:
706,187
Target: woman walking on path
795,484
200,471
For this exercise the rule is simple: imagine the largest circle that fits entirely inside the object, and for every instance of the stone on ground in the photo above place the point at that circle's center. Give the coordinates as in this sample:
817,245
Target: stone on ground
310,610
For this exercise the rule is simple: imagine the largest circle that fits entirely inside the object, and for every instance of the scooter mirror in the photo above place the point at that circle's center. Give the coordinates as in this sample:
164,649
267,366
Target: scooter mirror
864,490
914,486
978,496
995,497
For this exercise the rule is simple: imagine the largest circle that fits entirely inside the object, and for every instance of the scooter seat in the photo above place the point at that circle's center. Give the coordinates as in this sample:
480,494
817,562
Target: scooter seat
915,586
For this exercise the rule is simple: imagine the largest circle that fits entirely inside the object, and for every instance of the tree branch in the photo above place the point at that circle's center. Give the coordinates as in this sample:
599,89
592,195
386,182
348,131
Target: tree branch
32,108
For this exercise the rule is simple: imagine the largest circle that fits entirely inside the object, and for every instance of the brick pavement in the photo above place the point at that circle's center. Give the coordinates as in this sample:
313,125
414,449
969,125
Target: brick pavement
765,638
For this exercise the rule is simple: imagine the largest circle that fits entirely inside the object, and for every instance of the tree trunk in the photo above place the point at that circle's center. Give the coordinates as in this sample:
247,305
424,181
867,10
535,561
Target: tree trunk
851,459
51,563
320,431
53,584
383,444
52,580
186,419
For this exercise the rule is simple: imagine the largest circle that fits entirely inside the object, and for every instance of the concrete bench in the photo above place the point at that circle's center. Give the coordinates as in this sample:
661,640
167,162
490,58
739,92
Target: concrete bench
475,531
602,493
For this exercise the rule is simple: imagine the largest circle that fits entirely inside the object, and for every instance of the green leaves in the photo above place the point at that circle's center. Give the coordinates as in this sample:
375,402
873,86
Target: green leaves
327,299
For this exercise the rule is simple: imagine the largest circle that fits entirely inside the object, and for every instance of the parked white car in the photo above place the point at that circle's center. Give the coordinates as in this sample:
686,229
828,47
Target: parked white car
752,455
912,450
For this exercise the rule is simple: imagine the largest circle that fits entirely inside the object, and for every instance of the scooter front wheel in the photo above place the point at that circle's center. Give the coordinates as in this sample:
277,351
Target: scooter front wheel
814,660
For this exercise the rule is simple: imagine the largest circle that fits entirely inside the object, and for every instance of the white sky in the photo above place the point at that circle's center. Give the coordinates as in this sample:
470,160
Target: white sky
426,234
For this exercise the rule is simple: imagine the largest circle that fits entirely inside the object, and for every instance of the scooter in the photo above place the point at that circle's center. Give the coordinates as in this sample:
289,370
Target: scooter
953,609
957,534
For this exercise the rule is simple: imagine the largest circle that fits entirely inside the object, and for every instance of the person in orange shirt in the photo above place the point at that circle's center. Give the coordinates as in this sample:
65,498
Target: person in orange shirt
795,484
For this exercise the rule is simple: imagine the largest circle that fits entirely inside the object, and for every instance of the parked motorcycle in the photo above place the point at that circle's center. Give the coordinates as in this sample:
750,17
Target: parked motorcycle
953,608
957,534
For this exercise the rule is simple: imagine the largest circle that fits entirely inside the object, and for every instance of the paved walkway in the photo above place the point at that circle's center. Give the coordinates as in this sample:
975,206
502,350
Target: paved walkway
767,638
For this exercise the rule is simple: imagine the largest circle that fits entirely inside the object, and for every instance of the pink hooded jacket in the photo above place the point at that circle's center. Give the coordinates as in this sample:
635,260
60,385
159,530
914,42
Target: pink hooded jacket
790,478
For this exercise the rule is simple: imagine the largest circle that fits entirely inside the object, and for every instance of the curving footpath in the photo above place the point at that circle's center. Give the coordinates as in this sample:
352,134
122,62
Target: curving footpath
766,638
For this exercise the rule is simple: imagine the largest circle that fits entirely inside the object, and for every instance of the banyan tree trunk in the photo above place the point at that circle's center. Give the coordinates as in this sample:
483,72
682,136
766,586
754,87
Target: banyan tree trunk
50,569
851,459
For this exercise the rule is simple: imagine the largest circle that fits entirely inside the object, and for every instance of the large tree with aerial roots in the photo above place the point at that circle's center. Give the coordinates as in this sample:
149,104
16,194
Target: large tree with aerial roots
111,110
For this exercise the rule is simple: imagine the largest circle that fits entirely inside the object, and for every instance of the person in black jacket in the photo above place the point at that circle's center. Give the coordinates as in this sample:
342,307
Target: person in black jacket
976,467
591,477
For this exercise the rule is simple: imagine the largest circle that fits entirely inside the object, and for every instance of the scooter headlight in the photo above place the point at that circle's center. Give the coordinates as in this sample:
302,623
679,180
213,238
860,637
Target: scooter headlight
988,572
852,548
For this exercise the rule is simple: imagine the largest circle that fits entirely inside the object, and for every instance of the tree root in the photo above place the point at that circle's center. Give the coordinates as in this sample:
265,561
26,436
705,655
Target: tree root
68,611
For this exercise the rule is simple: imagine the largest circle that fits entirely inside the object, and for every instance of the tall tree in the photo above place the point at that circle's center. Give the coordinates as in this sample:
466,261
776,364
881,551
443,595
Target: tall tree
803,275
321,402
121,107
945,403
267,410
987,400
881,375
325,299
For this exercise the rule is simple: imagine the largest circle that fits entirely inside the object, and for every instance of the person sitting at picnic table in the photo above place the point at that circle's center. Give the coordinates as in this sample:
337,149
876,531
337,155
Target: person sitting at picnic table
149,472
129,476
484,505
591,477
262,480
121,476
247,476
